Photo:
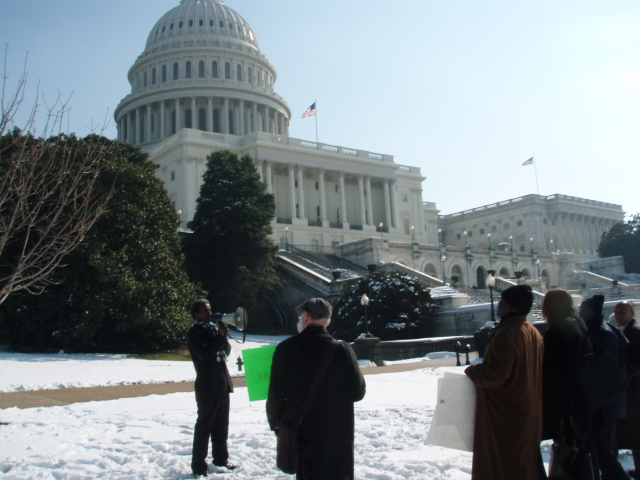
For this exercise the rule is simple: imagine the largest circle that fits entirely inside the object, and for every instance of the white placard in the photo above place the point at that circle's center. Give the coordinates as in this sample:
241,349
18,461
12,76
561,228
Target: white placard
453,421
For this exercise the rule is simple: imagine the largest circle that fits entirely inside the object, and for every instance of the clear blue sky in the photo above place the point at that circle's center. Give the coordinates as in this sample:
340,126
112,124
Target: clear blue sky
466,90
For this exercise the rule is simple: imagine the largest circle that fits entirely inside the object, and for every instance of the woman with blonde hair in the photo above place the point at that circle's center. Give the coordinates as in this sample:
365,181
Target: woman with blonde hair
565,344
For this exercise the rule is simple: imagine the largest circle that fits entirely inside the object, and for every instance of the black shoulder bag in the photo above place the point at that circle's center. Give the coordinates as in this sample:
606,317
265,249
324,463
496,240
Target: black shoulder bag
287,427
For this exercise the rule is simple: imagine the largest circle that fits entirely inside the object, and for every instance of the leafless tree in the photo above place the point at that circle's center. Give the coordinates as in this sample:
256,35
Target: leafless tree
49,191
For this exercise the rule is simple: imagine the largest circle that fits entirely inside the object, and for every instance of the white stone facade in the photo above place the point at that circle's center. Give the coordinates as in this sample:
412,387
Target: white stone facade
202,84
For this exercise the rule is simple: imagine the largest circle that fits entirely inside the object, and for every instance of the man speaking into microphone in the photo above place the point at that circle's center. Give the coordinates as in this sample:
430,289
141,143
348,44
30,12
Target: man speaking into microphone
209,349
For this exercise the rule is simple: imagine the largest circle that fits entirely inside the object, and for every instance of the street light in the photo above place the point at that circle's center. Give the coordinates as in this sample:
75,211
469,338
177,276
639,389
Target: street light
413,238
491,283
439,237
364,300
286,238
466,245
538,264
381,225
490,252
443,259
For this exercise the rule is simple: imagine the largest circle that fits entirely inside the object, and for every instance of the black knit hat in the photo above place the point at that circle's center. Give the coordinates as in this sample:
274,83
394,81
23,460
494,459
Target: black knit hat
519,297
316,307
594,304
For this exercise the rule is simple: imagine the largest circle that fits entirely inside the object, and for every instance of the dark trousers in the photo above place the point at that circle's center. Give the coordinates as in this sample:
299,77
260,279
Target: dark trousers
212,422
605,451
316,463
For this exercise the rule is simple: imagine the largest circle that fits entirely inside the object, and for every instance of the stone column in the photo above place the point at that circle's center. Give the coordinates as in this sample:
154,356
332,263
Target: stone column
301,209
275,122
148,129
361,197
266,120
194,116
323,202
225,116
387,204
137,124
281,128
162,120
367,180
394,203
254,120
268,175
292,191
179,123
209,115
241,131
343,200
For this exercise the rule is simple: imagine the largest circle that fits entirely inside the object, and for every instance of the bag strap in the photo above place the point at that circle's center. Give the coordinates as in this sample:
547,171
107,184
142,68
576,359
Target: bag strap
306,406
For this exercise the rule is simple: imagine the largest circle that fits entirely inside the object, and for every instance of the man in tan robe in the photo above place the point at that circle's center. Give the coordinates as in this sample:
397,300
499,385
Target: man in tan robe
508,425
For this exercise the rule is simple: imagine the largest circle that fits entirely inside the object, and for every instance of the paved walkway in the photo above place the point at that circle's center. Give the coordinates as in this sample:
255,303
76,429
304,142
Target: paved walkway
67,396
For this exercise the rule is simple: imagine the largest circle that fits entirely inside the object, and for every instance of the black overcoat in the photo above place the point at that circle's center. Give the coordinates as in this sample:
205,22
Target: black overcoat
565,344
629,427
326,435
212,377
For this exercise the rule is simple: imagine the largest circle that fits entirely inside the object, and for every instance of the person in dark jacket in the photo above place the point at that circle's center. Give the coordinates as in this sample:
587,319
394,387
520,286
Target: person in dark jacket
325,436
629,427
603,437
209,349
565,344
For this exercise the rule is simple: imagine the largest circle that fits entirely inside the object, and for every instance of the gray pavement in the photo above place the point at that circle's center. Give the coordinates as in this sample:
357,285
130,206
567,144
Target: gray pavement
67,396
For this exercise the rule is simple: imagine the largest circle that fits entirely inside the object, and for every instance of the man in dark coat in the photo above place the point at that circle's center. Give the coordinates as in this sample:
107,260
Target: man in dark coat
508,424
629,427
603,436
325,437
209,349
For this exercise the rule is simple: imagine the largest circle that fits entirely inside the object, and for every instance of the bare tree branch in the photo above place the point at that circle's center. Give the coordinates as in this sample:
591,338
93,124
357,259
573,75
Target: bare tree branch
50,196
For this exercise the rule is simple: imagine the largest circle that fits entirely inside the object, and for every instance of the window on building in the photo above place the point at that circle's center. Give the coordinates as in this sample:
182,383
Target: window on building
173,122
249,76
470,234
175,71
232,129
187,118
522,247
164,73
221,24
227,70
191,23
317,185
211,23
202,119
173,175
180,24
187,69
201,22
337,188
145,79
458,236
171,27
519,223
201,69
505,226
544,220
239,73
318,212
214,69
482,231
216,120
494,228
153,76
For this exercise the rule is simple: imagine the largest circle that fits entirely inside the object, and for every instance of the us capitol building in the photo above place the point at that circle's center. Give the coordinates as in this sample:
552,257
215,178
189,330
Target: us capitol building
203,84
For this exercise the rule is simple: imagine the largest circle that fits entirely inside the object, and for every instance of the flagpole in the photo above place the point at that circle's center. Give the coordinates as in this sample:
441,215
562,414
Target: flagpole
535,169
316,115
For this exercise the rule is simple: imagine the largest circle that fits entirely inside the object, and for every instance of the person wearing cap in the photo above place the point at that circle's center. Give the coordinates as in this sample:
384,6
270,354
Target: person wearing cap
604,420
325,436
508,422
209,348
629,427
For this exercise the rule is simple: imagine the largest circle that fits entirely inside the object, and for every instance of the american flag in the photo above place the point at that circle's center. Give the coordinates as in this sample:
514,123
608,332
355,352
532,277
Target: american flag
528,162
311,111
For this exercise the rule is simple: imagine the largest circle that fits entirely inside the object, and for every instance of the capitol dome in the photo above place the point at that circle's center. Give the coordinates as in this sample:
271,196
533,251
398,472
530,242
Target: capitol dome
201,68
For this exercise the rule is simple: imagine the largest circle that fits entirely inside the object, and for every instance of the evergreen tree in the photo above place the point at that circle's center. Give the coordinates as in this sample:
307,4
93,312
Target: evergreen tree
230,251
123,288
400,307
623,239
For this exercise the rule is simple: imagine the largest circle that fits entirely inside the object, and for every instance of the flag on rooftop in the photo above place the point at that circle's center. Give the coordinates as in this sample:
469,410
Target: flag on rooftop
528,162
311,111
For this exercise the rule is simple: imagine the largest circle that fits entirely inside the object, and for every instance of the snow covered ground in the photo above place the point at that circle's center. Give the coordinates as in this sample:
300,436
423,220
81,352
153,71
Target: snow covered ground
150,437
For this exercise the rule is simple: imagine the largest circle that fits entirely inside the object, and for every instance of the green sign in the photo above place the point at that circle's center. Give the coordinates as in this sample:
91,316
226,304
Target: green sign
257,364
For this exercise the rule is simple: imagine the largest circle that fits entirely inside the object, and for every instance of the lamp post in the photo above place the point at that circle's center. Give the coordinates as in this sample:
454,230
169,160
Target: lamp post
490,252
443,259
538,265
286,238
364,300
380,226
440,237
491,283
466,244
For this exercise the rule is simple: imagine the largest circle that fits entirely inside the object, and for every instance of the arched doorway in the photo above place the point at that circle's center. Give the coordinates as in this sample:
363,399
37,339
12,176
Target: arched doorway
481,278
456,274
